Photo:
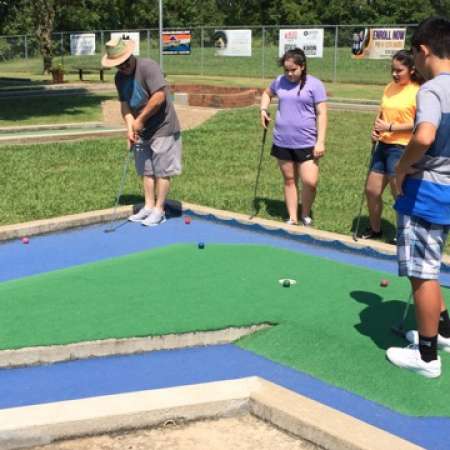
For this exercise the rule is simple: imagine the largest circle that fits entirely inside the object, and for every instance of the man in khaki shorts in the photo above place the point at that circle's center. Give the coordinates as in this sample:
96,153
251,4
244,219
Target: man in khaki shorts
153,130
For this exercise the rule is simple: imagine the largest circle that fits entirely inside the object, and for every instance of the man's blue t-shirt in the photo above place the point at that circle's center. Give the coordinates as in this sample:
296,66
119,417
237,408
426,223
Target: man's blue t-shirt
426,193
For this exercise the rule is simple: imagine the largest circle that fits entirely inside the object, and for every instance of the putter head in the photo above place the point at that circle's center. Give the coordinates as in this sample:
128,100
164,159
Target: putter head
355,237
399,330
113,227
256,209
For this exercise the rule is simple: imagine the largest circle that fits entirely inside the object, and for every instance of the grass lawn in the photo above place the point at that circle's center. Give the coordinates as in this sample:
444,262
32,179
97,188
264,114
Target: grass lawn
262,64
220,161
86,106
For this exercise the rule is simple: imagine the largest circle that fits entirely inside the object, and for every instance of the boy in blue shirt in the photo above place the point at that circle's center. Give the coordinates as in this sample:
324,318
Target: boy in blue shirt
423,208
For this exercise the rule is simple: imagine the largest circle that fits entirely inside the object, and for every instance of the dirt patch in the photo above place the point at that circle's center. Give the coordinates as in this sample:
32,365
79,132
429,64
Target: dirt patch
190,117
237,433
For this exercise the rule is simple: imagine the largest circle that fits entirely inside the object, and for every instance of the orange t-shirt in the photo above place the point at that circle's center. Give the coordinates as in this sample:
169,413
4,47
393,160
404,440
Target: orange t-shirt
398,106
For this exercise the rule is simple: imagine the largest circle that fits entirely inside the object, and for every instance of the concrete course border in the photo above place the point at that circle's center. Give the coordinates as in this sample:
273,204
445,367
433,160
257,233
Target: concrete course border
107,347
43,226
52,127
67,135
325,427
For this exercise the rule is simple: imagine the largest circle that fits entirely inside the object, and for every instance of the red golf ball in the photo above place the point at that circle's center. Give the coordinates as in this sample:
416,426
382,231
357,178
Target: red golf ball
25,240
384,283
187,220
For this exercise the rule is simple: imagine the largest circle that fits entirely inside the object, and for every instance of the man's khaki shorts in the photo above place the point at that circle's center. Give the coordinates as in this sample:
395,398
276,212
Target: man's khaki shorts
159,157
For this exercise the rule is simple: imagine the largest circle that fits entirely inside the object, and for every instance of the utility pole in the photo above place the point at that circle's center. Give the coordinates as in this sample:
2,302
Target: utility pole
160,35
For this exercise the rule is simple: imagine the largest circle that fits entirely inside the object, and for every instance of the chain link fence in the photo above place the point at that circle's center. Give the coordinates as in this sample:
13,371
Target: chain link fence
19,55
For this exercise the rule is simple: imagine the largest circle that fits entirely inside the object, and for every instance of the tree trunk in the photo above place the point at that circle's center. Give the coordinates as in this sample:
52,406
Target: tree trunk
44,16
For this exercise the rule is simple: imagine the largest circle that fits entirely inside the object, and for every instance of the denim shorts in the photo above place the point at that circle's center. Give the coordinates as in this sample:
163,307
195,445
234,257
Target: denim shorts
419,247
385,158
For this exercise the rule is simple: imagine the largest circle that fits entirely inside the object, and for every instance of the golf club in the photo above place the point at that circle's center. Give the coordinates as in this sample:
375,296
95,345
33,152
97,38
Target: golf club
369,165
255,206
400,328
111,228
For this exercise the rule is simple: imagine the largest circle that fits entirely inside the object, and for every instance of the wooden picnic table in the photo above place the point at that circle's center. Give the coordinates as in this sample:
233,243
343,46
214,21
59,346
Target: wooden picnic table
92,69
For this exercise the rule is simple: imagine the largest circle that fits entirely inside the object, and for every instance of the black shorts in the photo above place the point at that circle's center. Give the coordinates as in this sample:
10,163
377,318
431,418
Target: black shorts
297,155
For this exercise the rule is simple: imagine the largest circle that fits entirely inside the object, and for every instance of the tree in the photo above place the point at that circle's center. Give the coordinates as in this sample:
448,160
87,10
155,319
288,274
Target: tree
191,13
292,12
43,14
402,11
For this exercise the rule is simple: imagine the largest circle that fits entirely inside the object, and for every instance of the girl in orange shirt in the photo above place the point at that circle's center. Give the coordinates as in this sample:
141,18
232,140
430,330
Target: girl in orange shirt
391,131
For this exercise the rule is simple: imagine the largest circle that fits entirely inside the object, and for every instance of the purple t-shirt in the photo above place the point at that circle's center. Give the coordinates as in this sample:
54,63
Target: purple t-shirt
295,122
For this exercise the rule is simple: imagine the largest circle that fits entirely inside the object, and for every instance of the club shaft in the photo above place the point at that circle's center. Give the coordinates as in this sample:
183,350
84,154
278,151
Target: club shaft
363,195
121,187
405,312
258,171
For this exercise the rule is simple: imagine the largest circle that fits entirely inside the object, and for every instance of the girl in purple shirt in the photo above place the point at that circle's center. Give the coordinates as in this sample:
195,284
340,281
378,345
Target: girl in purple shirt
299,132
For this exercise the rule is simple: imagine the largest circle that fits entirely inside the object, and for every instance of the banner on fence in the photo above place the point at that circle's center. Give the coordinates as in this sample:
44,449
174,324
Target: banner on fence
309,40
176,42
378,43
133,36
82,44
233,42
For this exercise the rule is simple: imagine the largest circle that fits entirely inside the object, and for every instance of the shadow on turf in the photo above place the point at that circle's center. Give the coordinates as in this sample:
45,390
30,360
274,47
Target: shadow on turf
379,316
173,207
136,200
389,230
42,102
275,208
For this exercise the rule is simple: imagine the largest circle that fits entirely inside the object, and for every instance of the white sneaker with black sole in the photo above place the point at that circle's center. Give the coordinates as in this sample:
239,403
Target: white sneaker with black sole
142,214
409,358
157,217
443,343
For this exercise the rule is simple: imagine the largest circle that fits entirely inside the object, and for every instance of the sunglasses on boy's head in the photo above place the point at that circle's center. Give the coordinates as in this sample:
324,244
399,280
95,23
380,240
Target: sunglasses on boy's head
125,64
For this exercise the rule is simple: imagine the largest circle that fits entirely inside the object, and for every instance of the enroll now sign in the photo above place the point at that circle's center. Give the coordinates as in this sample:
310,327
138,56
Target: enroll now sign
389,35
379,43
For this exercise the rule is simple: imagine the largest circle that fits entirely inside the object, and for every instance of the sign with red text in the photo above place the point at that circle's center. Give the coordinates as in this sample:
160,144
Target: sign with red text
309,40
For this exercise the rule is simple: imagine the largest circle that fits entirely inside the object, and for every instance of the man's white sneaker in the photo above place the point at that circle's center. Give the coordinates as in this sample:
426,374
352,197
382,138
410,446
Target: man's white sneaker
409,358
157,217
142,214
443,343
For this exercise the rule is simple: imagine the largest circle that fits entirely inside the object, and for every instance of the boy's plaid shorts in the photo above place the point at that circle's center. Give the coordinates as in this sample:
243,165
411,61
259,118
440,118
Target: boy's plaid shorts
419,247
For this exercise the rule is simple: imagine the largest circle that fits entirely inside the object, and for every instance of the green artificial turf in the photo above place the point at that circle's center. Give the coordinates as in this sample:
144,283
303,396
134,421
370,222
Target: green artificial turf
334,324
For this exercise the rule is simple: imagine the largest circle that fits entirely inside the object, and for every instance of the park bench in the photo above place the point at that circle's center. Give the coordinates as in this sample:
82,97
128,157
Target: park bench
83,70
